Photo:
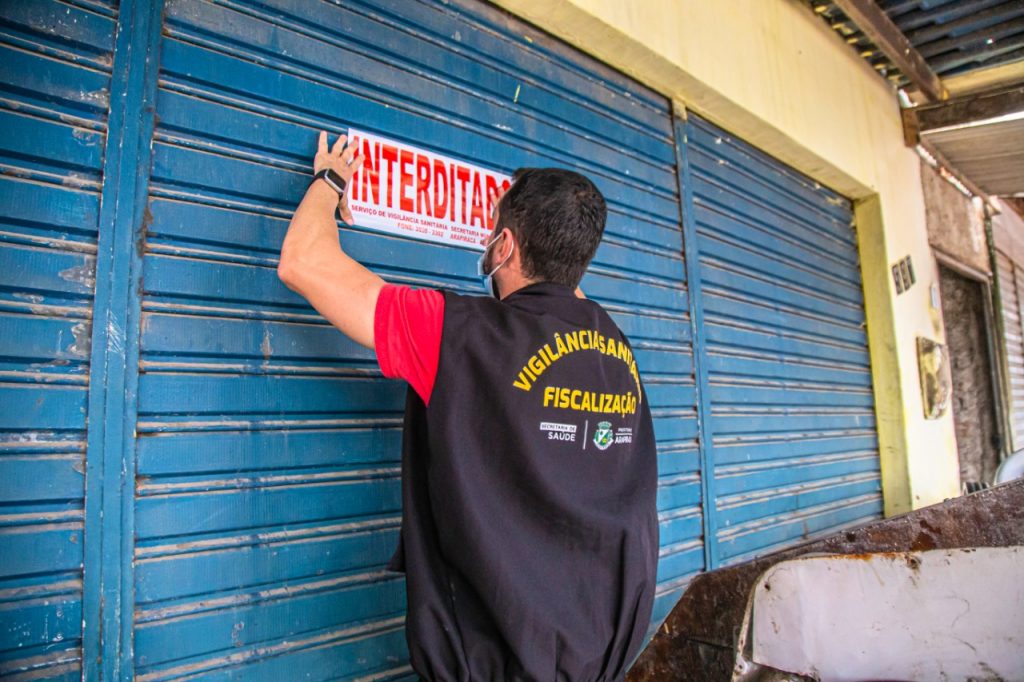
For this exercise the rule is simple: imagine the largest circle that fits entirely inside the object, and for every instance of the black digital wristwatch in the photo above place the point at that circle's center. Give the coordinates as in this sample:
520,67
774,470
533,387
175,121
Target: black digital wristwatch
333,180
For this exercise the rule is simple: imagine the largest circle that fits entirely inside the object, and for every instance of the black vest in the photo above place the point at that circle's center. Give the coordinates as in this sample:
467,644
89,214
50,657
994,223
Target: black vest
529,524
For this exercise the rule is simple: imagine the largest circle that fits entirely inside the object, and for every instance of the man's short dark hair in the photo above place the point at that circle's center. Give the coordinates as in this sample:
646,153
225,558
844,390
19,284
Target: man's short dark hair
558,219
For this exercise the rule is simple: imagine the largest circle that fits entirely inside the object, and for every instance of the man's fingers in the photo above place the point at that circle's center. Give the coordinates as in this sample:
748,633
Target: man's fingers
339,145
321,145
350,151
356,163
346,212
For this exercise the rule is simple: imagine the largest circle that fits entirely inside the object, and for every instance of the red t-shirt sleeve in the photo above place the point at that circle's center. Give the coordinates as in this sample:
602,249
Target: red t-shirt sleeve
407,335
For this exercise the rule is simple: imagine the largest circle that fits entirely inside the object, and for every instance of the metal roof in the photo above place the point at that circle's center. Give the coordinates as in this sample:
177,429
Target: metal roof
942,39
991,155
953,36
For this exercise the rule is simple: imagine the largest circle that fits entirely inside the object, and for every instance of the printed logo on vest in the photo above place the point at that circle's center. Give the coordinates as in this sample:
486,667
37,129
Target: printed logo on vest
603,435
556,431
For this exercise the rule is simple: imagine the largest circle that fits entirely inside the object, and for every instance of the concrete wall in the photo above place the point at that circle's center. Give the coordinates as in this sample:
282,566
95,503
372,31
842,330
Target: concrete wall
956,229
956,224
973,403
773,73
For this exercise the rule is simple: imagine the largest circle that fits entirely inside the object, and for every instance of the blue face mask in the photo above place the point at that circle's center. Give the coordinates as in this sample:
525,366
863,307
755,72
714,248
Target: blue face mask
488,277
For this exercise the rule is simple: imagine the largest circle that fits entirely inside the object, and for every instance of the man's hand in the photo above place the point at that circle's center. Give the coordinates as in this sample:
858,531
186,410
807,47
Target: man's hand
313,263
343,160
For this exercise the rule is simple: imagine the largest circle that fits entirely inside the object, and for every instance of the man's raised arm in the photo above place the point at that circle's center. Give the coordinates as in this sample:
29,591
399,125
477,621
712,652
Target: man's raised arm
312,262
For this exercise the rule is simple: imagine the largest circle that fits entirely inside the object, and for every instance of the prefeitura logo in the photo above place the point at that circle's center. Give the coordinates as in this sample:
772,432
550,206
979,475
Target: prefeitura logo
603,435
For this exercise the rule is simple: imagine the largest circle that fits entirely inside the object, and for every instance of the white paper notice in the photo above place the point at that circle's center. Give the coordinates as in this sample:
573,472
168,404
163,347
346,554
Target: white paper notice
410,191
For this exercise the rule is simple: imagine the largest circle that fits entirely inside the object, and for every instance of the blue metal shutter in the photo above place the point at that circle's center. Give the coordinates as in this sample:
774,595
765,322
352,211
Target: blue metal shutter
792,425
267,497
55,75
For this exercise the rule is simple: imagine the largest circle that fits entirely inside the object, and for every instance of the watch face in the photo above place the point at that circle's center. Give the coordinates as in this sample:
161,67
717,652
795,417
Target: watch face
335,180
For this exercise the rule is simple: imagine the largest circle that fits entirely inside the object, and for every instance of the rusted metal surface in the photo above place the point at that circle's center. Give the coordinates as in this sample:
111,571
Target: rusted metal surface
971,108
697,640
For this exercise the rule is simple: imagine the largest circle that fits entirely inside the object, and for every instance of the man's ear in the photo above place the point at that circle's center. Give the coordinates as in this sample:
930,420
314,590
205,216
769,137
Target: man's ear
512,243
510,248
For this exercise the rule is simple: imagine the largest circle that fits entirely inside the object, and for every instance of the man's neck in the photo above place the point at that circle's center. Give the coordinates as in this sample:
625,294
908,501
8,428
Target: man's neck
517,282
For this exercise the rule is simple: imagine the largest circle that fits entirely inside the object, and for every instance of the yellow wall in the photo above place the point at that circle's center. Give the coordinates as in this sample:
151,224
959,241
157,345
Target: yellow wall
773,73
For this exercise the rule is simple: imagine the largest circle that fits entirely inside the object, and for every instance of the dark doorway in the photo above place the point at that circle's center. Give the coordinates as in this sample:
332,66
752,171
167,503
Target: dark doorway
974,409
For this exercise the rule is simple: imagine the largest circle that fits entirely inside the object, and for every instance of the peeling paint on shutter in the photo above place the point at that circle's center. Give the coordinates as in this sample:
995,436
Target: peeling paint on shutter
267,500
55,74
792,419
265,455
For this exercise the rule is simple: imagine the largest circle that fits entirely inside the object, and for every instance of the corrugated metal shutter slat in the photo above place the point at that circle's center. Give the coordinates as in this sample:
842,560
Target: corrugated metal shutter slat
792,421
1010,285
266,451
55,75
268,456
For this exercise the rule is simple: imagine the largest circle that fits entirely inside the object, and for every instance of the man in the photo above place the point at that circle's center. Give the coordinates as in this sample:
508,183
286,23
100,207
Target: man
529,532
